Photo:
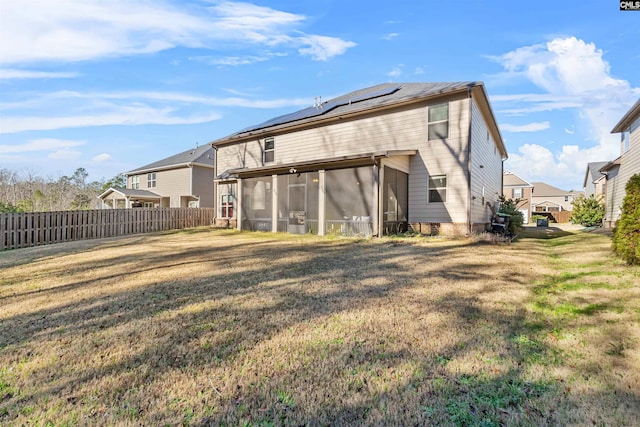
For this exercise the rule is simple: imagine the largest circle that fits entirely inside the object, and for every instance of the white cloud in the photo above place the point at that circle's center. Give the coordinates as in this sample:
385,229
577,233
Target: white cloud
120,108
6,74
418,71
396,71
530,127
390,36
101,158
65,155
566,168
321,48
574,76
123,115
70,30
42,144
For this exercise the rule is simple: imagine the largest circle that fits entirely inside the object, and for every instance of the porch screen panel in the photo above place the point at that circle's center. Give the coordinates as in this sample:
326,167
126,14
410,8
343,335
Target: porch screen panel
349,201
283,202
256,203
298,202
396,200
313,192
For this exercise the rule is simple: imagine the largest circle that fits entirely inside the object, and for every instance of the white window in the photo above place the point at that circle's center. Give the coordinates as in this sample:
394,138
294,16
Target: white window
151,180
135,182
227,206
269,150
438,122
517,193
437,189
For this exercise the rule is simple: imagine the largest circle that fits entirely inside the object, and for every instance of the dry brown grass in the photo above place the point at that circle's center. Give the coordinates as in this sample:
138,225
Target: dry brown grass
223,328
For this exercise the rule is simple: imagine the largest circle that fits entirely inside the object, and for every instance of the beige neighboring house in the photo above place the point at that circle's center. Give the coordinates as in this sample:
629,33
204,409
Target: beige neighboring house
619,171
547,198
180,181
374,161
594,180
514,187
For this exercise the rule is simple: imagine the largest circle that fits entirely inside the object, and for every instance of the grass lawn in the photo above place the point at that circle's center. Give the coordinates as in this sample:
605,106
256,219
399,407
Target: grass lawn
208,327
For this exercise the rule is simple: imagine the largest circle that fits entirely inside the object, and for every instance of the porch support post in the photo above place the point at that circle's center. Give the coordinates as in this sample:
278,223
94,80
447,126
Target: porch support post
378,214
321,202
239,206
274,203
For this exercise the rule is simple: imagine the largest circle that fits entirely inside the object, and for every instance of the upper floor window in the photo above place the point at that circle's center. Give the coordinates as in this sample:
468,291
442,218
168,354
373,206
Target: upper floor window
151,180
135,182
438,122
517,193
566,198
437,188
269,150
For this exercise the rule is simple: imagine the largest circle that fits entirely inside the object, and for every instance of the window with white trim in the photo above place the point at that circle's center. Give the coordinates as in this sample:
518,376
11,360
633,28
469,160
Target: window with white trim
269,150
437,191
135,182
226,203
151,180
517,193
438,127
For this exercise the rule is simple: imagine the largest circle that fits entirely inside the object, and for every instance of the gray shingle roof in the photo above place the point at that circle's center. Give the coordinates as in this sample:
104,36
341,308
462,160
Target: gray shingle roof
406,92
202,155
129,192
594,170
628,118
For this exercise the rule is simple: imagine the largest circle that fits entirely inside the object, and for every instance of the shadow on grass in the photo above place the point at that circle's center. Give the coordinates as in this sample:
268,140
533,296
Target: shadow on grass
275,331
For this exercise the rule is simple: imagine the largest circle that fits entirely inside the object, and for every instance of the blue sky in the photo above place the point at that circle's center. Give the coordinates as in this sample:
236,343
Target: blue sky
114,85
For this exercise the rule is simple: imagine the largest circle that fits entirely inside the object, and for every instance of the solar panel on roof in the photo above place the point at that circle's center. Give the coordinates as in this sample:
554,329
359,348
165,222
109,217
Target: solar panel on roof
321,109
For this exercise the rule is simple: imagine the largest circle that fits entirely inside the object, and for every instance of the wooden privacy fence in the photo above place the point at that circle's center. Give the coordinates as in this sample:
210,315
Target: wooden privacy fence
20,230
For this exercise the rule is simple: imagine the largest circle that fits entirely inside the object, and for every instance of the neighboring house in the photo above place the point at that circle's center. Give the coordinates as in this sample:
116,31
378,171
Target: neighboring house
370,162
514,187
547,198
594,181
619,171
180,181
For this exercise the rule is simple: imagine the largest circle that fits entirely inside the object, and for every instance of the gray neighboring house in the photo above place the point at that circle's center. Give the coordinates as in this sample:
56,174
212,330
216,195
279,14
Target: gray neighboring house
594,180
179,181
619,171
370,162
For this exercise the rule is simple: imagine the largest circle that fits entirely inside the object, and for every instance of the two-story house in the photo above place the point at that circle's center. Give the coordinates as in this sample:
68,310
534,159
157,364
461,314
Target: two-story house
179,181
594,180
516,188
547,198
619,171
373,161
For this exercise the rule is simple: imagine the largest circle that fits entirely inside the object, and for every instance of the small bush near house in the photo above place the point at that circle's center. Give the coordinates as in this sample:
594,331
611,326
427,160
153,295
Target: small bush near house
587,211
626,234
509,207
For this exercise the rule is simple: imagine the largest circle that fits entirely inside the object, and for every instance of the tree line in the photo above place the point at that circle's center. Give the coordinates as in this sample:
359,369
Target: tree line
28,192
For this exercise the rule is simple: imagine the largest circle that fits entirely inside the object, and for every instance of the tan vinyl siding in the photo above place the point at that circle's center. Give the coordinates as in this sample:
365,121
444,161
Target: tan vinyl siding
629,166
403,128
171,183
448,157
401,163
243,155
203,186
486,168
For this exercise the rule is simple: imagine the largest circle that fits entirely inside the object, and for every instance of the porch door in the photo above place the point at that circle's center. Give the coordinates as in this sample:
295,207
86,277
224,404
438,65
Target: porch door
297,209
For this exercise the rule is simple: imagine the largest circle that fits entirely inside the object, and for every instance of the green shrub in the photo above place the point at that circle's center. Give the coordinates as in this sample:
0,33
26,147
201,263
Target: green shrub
626,234
509,207
587,211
